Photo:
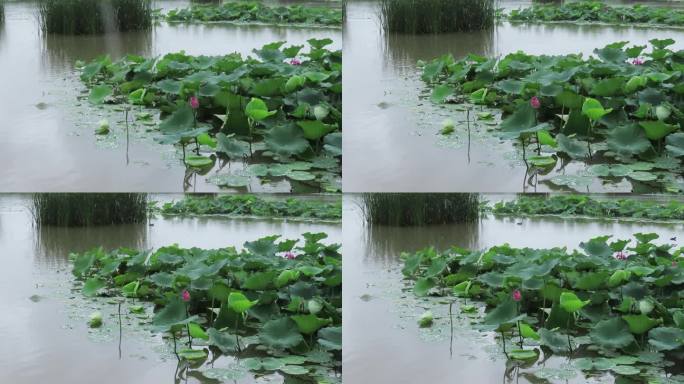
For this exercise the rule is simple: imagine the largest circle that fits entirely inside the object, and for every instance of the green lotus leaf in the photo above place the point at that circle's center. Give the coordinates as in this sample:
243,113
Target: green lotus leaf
556,341
230,146
675,144
198,161
286,140
224,341
257,110
593,109
197,332
607,87
174,313
656,130
330,338
441,92
192,354
628,140
574,148
93,286
612,333
524,354
314,129
423,286
571,303
280,333
239,303
527,332
504,313
666,338
425,320
99,93
639,324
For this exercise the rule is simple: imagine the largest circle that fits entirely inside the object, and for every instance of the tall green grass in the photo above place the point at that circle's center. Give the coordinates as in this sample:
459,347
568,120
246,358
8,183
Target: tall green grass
84,17
88,209
416,209
436,16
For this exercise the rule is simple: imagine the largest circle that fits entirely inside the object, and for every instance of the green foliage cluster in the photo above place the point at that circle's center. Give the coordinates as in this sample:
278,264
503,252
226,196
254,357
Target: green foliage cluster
620,109
418,209
88,209
285,106
254,205
84,17
436,16
585,205
619,302
254,11
276,313
598,11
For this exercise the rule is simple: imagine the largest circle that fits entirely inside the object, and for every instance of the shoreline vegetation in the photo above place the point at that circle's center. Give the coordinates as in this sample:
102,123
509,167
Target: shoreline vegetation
250,12
590,11
589,207
87,17
256,206
436,16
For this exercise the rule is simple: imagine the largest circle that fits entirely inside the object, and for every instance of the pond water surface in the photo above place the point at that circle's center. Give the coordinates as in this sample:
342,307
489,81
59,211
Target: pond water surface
382,342
43,327
391,140
48,133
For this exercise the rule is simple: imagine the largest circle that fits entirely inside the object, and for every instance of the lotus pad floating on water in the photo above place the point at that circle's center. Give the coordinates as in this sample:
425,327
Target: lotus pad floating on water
277,303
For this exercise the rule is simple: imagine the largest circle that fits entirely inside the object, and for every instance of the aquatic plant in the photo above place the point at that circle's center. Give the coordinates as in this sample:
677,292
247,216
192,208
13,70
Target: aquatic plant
624,315
256,205
588,11
275,313
584,205
87,209
83,17
257,12
416,209
436,16
285,118
624,119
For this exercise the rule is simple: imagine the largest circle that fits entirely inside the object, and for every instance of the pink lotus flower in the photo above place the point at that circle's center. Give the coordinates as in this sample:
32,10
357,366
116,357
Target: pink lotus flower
535,103
295,61
620,256
186,295
290,256
638,61
517,296
194,102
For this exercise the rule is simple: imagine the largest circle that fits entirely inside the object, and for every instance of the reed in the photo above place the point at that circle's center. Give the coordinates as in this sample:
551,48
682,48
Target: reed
417,209
436,16
89,209
85,17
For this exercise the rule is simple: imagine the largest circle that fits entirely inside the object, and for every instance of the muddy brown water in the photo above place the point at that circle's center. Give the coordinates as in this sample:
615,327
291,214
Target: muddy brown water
47,134
43,328
391,141
382,342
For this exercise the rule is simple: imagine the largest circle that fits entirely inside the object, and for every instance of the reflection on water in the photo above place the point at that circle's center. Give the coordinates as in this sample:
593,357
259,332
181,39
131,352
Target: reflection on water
42,338
42,105
391,141
382,342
